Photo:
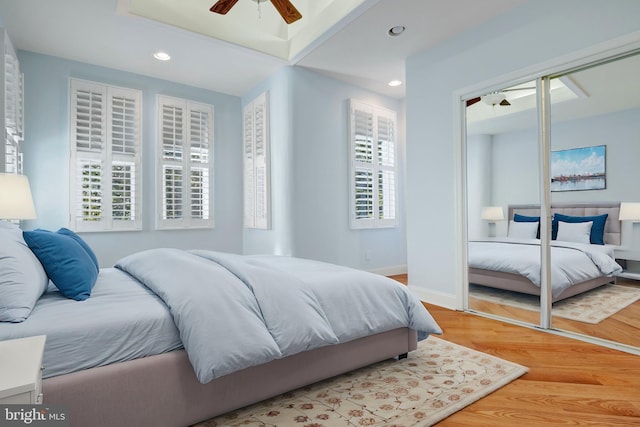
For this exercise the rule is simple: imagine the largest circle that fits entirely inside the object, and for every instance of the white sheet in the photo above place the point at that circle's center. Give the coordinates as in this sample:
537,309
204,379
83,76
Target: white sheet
122,320
571,263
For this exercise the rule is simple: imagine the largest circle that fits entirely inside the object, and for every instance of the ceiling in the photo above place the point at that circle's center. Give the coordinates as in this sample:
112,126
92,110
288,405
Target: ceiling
602,89
254,24
344,39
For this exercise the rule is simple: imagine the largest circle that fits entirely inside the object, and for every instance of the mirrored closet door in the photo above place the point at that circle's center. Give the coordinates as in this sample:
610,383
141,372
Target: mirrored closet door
595,126
561,153
502,164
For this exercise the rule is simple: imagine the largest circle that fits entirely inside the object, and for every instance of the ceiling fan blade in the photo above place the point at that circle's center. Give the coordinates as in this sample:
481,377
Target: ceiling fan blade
223,6
472,101
505,103
289,13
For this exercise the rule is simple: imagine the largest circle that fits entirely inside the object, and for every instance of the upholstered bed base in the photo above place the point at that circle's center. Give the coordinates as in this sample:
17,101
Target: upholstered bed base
517,283
162,390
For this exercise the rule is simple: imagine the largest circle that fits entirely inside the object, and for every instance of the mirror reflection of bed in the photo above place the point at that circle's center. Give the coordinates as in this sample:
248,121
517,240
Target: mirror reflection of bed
586,292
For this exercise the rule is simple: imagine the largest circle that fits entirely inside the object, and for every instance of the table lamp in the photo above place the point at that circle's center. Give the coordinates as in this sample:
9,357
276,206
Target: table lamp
15,197
492,214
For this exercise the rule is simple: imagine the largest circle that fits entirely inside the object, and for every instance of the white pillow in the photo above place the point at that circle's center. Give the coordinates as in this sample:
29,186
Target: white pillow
22,277
522,230
578,232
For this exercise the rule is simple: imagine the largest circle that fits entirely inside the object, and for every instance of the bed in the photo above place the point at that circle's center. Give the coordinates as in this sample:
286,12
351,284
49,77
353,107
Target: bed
595,261
171,337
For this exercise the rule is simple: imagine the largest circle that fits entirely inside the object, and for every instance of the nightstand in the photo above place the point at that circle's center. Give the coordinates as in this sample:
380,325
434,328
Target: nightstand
622,255
21,370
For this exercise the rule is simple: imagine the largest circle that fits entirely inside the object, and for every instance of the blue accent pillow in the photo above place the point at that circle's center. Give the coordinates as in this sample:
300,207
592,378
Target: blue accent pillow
525,218
84,244
66,262
597,229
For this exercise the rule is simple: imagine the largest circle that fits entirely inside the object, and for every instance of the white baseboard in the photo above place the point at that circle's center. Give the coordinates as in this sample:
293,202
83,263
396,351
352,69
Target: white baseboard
391,270
433,297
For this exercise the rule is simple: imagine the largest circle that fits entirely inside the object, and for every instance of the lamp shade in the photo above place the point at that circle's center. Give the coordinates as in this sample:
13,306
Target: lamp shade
629,211
492,213
15,197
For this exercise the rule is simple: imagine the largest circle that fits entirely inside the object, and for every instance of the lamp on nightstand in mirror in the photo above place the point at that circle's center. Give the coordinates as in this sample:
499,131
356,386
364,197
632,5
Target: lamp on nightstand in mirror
15,197
629,211
492,214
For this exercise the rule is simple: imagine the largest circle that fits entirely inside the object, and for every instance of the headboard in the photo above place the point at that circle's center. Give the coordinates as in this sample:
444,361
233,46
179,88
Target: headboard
612,228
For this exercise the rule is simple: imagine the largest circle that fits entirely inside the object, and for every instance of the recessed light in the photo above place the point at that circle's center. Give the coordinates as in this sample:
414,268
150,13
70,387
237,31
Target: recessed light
396,31
162,56
394,83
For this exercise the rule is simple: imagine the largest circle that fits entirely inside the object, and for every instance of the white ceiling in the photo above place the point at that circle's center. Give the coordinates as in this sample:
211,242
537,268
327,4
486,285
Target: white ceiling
602,89
355,48
254,24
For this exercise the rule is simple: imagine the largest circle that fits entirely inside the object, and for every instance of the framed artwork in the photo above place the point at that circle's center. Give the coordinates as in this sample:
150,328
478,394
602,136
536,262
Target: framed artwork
578,169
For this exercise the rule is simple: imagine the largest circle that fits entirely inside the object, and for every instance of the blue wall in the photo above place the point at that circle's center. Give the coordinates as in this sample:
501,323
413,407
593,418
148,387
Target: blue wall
309,166
321,170
46,151
279,239
310,175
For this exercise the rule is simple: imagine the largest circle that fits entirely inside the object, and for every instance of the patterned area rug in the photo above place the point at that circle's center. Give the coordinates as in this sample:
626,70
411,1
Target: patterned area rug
590,307
435,381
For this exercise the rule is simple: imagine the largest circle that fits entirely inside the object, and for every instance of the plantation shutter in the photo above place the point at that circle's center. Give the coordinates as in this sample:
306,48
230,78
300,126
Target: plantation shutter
373,166
186,146
13,111
248,168
125,137
200,138
386,150
256,164
105,157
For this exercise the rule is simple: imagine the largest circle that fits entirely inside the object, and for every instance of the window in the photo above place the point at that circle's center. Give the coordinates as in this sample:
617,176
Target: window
373,166
256,164
105,190
185,139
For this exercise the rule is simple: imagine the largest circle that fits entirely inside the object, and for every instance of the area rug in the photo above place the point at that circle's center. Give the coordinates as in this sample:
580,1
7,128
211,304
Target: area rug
590,307
433,382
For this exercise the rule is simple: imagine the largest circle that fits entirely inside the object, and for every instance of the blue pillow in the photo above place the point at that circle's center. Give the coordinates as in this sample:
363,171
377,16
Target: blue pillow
525,218
66,262
597,229
84,244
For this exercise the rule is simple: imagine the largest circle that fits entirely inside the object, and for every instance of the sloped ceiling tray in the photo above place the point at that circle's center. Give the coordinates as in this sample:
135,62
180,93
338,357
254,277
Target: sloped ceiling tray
252,24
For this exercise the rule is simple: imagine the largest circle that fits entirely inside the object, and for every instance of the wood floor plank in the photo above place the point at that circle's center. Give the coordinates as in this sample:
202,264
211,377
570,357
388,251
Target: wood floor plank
569,383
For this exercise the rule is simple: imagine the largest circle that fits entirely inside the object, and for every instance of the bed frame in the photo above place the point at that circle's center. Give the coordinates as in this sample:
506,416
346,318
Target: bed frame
517,283
163,389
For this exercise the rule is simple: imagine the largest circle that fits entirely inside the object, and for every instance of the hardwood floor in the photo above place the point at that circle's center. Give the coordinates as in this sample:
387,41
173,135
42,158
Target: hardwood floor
622,327
569,383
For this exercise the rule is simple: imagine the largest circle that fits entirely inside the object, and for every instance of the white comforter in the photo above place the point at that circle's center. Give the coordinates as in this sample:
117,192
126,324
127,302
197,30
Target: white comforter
571,263
236,311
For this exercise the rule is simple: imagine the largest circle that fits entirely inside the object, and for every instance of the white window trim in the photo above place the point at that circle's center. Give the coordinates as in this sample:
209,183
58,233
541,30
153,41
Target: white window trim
390,218
105,156
187,166
257,164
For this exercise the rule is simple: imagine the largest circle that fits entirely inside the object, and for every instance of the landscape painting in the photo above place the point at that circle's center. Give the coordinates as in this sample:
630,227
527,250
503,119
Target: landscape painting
579,169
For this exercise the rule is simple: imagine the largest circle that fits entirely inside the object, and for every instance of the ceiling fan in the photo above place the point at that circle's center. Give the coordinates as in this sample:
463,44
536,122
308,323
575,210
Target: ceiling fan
288,12
496,98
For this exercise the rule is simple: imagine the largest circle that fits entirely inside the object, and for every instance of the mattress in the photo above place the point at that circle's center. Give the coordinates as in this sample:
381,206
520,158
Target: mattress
86,334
